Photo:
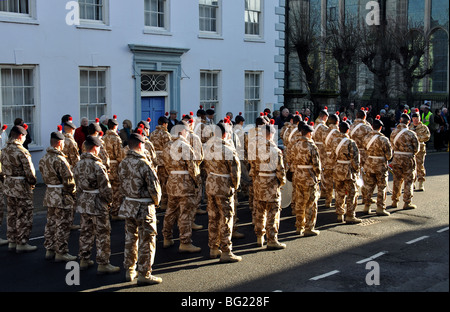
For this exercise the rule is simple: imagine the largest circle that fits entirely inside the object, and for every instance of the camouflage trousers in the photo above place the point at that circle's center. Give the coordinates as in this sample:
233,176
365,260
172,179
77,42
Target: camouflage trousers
421,172
181,209
267,219
140,242
404,172
57,229
345,195
327,184
306,206
117,197
95,228
379,180
19,219
163,176
220,222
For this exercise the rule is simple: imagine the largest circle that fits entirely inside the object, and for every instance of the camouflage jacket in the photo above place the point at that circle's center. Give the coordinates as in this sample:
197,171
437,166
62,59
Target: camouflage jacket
16,162
151,152
223,168
241,136
71,150
254,140
345,156
406,142
379,152
183,170
270,174
56,173
285,131
330,134
305,162
115,151
319,135
358,131
139,185
160,138
423,135
196,143
93,185
103,155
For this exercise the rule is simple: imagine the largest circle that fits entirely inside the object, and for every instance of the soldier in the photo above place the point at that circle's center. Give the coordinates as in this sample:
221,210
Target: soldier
319,136
305,160
95,130
184,178
224,172
328,166
160,138
113,147
345,156
142,191
405,145
270,176
20,180
2,179
379,152
59,199
72,154
358,131
423,134
70,145
93,183
149,147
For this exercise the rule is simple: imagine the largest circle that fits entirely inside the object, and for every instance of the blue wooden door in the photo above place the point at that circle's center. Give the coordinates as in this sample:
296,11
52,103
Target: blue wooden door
153,107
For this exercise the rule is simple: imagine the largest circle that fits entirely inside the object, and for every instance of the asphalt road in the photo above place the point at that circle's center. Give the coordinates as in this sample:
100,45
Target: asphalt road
406,252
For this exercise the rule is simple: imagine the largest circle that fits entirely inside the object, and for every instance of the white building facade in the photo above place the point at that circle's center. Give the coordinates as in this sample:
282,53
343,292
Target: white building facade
137,59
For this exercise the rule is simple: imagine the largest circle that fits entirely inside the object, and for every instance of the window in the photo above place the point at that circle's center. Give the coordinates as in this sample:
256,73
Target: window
93,92
94,10
155,13
252,96
209,89
17,96
15,6
253,16
208,13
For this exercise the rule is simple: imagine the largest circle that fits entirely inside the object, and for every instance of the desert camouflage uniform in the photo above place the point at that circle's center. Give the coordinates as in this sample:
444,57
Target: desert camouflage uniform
319,136
423,135
142,192
20,180
292,137
103,155
197,147
2,198
151,153
346,171
270,176
71,150
224,172
285,131
59,199
404,163
160,138
328,166
379,152
184,178
254,139
114,149
358,132
95,196
305,162
242,136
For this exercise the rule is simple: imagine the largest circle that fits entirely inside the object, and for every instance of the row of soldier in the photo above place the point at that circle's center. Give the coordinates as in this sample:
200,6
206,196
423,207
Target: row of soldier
173,171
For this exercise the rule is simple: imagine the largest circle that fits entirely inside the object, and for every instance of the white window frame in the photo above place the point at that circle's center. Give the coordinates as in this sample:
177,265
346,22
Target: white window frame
260,35
251,115
35,133
24,18
218,32
103,23
107,101
211,89
165,30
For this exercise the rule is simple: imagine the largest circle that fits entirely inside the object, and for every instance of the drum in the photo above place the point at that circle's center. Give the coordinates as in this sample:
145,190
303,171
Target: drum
286,195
